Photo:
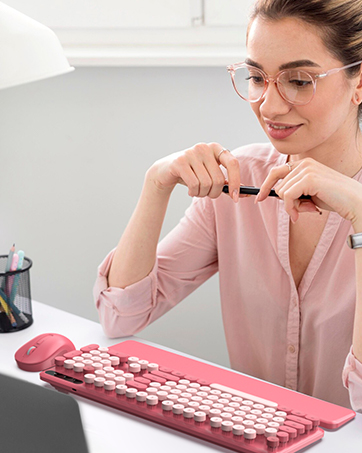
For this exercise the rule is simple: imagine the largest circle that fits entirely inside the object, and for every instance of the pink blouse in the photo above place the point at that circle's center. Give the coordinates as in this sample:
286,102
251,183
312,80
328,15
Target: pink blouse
296,337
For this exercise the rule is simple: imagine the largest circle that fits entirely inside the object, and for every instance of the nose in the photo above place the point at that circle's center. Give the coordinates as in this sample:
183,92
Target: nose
273,104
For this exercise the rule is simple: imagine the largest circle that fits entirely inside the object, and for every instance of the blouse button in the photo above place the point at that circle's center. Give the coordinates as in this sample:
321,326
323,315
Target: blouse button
291,349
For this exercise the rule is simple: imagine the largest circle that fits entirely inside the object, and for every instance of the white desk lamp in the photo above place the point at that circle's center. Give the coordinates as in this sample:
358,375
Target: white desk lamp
29,51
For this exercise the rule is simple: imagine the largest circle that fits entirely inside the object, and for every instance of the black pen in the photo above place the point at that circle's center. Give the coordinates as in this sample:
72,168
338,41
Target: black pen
251,190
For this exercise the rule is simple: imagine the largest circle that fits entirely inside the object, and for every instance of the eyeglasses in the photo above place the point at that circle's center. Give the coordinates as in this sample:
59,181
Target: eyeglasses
294,85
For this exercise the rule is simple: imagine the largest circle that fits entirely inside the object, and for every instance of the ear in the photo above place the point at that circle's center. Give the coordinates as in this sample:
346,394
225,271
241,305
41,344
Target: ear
357,95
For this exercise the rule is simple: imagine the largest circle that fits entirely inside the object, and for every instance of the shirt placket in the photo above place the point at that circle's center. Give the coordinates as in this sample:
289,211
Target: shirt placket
293,321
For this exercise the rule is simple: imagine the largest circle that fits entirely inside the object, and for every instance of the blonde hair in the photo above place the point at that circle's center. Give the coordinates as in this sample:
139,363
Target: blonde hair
339,23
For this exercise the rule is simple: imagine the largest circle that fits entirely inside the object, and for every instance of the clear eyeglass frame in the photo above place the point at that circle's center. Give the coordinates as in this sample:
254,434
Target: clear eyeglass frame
276,80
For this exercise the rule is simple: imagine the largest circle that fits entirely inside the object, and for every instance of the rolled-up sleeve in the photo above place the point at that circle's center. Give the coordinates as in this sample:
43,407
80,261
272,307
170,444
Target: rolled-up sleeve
352,380
186,258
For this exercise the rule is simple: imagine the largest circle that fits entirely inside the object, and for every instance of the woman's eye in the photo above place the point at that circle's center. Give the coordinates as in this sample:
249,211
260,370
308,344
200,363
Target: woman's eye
256,79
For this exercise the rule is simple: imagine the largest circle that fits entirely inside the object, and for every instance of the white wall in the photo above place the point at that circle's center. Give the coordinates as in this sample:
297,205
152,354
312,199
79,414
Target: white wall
74,150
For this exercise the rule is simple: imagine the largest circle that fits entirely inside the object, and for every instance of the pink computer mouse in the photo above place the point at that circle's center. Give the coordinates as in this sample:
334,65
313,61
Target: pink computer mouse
39,353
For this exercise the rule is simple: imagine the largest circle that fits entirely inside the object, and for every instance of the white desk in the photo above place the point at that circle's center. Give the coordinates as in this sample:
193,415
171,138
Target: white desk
106,427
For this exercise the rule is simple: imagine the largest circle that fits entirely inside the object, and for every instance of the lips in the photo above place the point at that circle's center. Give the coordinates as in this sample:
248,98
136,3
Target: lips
280,131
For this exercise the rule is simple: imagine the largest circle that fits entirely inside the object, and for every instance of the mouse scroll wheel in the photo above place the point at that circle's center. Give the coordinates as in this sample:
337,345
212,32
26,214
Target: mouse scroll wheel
30,350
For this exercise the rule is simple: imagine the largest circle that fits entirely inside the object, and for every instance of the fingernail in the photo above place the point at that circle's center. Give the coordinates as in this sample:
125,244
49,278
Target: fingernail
257,198
236,195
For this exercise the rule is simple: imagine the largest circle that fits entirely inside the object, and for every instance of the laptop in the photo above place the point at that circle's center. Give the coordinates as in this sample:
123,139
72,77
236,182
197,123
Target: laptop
34,419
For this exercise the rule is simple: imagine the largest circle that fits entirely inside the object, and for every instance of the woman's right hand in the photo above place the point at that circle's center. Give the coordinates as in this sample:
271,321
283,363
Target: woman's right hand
198,168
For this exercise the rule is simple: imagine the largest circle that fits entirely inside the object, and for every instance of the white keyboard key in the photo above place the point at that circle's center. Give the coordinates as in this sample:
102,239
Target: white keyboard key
195,385
132,360
106,362
248,403
246,409
105,355
205,409
238,430
226,415
99,381
128,377
121,389
194,404
270,410
248,423
78,367
171,384
205,388
240,413
68,364
152,367
152,390
109,376
215,413
207,403
119,380
235,392
193,392
100,373
108,369
188,412
270,432
109,385
89,378
279,420
249,433
95,352
172,397
152,400
97,366
273,425
218,406
118,372
269,417
114,361
281,414
199,416
131,392
78,358
157,385
237,420
88,362
178,409
227,396
183,401
215,422
102,349
143,364
227,425
259,428
262,421
96,358
162,395
141,396
134,367
167,405
165,388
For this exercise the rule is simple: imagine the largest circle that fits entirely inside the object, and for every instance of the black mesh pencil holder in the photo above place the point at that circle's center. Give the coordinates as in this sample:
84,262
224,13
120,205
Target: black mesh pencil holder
15,297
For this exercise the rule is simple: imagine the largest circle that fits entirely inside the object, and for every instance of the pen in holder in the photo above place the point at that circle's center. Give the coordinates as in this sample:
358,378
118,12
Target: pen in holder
15,297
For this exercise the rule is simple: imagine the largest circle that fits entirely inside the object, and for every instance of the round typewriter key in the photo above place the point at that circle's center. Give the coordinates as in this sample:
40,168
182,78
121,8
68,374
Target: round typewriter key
134,367
223,401
207,403
272,442
167,405
165,388
212,397
178,409
152,367
218,406
286,409
118,372
237,420
205,388
189,412
267,416
248,403
121,389
227,425
128,376
131,392
96,366
78,367
95,352
171,384
181,387
186,395
249,433
114,360
259,428
152,391
226,415
59,361
215,422
161,395
88,369
119,380
141,396
192,391
89,378
283,437
237,399
215,413
68,364
100,373
238,430
256,412
105,355
175,392
246,409
259,407
106,362
193,404
110,376
227,396
251,417
109,385
152,400
172,397
194,385
234,405
103,349
99,381
132,360
96,358
215,392
270,410
270,432
240,413
85,355
157,385
184,382
281,414
262,421
279,420
143,364
273,425
199,416
313,419
205,409
183,401
229,409
248,423
198,399
88,362
108,369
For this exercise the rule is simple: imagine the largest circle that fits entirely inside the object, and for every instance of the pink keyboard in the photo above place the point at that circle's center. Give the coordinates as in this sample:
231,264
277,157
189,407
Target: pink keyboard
214,404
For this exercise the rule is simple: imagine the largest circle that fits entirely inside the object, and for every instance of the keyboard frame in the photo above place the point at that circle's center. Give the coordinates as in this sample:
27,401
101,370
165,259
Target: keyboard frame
332,416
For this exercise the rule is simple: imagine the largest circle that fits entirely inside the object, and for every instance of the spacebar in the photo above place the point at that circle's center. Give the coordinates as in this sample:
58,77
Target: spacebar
244,395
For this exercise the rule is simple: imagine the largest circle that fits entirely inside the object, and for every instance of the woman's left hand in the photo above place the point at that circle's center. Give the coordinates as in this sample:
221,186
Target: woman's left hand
329,190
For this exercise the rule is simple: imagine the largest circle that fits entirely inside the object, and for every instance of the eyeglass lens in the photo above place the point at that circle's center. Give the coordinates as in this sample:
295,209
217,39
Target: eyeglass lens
295,86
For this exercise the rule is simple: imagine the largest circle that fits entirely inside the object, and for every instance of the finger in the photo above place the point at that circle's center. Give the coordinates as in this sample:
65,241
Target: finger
232,166
204,182
275,174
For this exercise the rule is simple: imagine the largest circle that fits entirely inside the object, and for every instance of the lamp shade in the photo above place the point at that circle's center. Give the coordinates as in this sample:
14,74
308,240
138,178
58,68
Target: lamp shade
29,51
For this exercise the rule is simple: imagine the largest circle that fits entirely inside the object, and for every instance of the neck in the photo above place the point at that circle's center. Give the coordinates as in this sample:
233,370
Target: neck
343,154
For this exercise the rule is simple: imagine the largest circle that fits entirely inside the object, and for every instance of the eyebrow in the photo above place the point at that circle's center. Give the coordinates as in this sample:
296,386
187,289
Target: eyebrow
290,65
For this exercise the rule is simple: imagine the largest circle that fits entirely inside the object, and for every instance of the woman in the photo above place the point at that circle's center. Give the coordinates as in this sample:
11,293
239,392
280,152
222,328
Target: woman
291,289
